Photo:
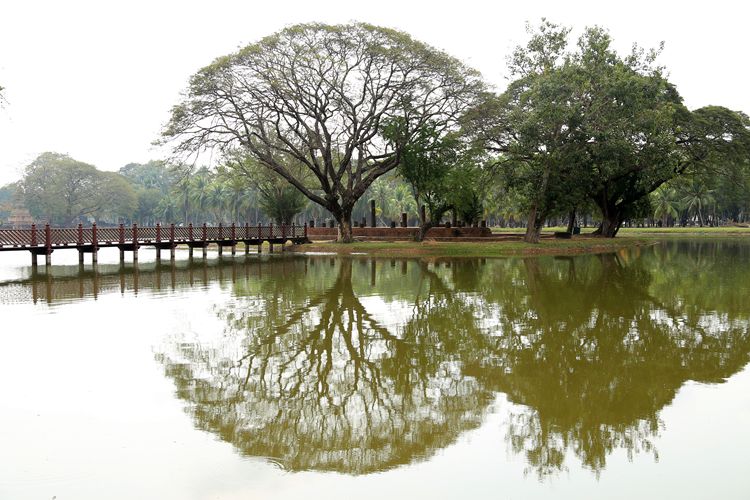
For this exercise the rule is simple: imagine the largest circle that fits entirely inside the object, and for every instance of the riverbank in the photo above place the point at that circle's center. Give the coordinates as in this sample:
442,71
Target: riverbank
723,231
583,244
504,248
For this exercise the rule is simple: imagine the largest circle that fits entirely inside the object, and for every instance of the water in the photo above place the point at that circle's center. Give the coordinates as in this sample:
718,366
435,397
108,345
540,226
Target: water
619,375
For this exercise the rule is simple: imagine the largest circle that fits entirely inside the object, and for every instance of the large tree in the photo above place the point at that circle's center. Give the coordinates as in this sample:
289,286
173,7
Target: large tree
639,134
321,94
62,190
534,127
587,122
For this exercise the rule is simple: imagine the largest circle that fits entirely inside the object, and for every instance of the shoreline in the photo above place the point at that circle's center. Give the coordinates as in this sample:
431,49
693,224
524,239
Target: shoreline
507,247
502,248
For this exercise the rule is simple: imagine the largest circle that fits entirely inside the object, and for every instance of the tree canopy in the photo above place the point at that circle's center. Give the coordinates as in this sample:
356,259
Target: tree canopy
62,190
321,94
588,124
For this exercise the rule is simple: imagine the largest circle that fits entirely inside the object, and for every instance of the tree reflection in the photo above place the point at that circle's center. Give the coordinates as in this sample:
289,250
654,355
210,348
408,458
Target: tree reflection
594,356
321,384
356,366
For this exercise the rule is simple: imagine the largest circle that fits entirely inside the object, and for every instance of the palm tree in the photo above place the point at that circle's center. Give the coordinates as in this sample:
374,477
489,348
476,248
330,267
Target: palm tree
199,190
217,199
696,197
666,205
183,188
166,209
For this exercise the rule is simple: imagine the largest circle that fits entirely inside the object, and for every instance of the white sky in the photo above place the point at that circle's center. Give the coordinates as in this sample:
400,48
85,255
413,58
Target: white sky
96,80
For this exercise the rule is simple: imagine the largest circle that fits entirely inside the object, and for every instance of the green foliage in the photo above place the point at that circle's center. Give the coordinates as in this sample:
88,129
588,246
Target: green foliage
441,171
587,124
62,190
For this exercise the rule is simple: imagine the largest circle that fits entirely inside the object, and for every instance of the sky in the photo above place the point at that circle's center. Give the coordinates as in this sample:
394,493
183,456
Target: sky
96,80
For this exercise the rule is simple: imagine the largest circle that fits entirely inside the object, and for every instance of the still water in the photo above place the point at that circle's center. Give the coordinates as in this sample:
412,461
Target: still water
619,375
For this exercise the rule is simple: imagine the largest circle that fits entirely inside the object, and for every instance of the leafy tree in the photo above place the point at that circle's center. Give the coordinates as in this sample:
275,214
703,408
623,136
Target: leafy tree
535,127
62,190
438,170
641,134
320,94
589,123
118,198
278,199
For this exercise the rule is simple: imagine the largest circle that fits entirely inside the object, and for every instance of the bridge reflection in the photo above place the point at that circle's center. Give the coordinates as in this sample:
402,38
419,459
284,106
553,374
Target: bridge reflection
69,283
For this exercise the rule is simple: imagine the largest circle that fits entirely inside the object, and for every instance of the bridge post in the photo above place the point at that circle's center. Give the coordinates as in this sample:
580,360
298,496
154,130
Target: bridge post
190,238
33,244
234,239
247,238
205,249
260,239
80,244
48,245
122,243
305,230
221,248
158,241
135,242
171,240
94,244
270,237
373,220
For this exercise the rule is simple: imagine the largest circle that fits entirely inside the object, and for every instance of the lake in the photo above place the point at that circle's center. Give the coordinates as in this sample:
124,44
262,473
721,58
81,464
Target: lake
618,375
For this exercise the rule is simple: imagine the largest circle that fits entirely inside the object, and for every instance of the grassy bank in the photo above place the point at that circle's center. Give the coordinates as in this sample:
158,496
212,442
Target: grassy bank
473,248
647,231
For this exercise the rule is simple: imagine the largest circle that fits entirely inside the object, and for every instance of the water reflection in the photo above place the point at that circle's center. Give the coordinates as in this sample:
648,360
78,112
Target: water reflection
314,374
359,365
313,379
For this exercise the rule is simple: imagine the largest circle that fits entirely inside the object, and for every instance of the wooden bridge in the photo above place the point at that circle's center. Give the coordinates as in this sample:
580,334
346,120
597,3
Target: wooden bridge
43,241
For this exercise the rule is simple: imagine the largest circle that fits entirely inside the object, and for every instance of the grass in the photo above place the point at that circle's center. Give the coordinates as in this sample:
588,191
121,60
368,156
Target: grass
473,248
637,231
627,238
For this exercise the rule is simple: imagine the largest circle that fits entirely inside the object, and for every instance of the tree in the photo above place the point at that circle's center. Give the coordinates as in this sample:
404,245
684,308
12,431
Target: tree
62,190
118,199
590,123
665,205
641,134
697,197
438,170
320,94
535,128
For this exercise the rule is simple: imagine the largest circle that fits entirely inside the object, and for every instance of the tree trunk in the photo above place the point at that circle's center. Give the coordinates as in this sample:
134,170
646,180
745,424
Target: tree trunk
571,220
609,226
344,219
424,226
534,226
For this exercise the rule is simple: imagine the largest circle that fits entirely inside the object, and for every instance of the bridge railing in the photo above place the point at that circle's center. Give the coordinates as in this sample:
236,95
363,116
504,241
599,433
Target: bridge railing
80,236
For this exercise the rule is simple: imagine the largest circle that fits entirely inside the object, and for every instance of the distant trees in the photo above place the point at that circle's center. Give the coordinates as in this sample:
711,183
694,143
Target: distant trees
321,95
63,190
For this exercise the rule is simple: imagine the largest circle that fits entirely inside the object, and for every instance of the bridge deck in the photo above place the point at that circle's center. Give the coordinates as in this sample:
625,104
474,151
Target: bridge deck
42,241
